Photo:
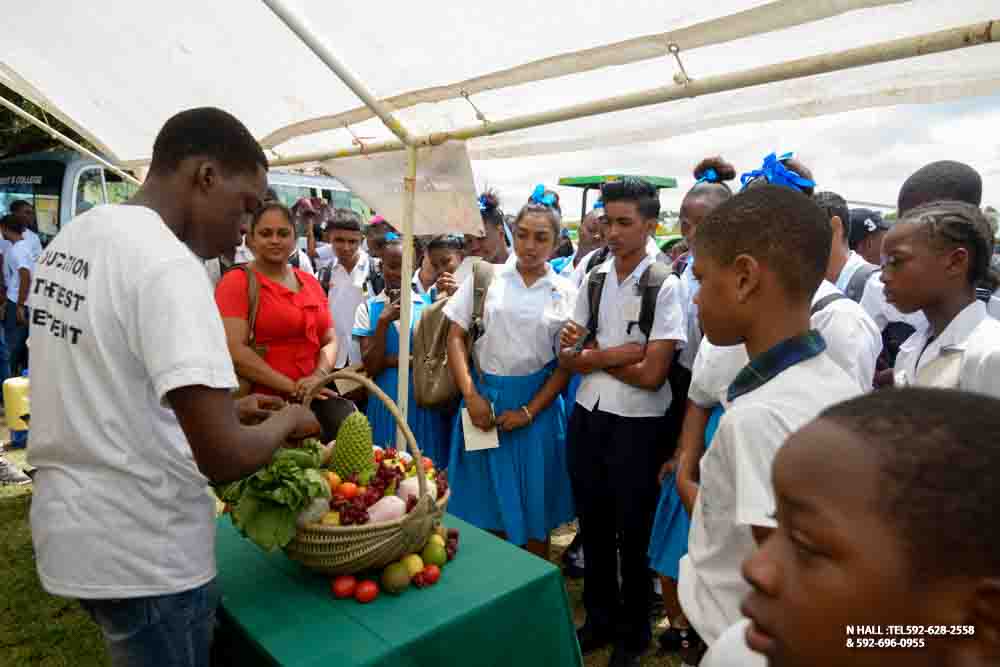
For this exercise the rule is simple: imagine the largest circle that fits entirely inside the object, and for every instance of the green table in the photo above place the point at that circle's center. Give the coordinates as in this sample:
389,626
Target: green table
495,604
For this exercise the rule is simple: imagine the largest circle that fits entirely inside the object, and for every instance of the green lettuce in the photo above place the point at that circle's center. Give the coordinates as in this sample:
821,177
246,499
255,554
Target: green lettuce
265,504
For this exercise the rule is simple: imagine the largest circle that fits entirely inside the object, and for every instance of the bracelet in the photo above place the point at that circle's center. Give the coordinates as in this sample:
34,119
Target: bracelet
528,412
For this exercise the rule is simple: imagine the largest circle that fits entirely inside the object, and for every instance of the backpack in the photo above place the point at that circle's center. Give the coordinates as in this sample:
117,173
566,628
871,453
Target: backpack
856,285
650,282
598,258
433,384
826,301
375,280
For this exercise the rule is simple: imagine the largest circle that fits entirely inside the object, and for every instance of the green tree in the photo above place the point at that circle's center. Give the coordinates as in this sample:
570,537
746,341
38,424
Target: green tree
18,136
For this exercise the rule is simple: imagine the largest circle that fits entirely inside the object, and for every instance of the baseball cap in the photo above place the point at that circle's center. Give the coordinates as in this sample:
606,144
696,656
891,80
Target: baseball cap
865,222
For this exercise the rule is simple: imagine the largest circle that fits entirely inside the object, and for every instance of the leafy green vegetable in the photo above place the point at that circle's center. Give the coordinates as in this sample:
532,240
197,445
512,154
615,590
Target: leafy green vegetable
266,504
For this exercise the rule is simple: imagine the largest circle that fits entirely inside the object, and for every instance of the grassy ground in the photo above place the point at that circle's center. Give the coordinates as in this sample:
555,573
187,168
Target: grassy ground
38,629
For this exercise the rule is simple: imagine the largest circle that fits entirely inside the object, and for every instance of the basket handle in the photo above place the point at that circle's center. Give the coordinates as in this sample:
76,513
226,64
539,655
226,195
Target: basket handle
373,388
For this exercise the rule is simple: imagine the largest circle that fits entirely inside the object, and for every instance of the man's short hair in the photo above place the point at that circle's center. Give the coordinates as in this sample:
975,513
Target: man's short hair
344,219
781,228
635,190
938,181
210,133
835,205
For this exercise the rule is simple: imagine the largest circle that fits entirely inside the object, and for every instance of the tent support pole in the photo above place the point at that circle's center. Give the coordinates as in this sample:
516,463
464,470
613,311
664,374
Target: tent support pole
900,49
406,289
59,136
309,38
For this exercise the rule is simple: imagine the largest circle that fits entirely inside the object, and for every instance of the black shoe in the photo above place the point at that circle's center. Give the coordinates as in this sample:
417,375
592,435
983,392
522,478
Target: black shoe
591,640
673,639
621,656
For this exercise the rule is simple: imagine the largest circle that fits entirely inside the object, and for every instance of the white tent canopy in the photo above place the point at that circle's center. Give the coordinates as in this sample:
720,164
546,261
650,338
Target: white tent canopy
117,75
517,78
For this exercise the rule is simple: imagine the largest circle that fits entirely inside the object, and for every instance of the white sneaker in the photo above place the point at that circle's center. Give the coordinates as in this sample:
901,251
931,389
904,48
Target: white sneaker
11,474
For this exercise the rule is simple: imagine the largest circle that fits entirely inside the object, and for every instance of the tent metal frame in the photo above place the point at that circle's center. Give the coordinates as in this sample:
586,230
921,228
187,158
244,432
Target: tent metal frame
908,47
59,136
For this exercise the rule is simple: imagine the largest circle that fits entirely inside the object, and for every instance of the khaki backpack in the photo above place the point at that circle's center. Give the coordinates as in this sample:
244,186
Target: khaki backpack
433,384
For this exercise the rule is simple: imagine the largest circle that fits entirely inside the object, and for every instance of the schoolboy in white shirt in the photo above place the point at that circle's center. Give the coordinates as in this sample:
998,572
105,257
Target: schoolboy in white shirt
761,258
348,280
614,441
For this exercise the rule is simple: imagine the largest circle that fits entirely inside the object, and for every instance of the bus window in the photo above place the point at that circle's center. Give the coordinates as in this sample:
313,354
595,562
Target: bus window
37,182
89,190
119,190
289,194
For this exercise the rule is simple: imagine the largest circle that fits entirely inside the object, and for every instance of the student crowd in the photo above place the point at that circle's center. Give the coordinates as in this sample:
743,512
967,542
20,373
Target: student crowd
721,416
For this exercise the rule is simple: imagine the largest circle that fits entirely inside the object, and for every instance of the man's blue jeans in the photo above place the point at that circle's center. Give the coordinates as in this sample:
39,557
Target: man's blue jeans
162,631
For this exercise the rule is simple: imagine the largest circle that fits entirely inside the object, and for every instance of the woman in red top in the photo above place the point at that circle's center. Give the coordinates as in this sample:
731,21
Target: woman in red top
293,319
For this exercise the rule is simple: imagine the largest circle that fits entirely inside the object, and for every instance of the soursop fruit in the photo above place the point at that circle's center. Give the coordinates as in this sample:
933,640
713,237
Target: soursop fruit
354,451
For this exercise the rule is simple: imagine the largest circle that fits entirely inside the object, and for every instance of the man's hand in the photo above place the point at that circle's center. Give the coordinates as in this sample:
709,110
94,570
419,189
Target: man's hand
390,313
571,334
446,284
305,422
255,408
22,315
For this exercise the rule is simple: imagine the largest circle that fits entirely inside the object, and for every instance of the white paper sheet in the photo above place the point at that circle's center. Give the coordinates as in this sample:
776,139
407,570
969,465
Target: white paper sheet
476,439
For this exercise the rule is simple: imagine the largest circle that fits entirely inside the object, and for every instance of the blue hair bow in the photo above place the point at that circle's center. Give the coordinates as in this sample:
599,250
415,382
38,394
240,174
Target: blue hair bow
708,176
539,196
599,204
777,173
482,203
391,236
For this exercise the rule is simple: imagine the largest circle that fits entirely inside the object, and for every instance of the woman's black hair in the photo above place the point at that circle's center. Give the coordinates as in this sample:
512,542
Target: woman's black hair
553,215
711,175
490,208
271,205
953,224
447,242
939,474
636,190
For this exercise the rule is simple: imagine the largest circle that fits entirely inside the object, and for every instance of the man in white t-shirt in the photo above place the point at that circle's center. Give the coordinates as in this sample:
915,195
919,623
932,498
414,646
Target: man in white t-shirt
132,411
18,265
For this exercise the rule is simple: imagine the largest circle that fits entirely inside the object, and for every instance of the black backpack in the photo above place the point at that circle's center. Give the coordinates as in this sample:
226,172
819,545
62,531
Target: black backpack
650,282
856,285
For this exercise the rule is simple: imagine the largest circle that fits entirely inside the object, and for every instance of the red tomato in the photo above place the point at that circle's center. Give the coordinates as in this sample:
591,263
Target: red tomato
348,490
379,455
343,587
428,464
431,574
366,592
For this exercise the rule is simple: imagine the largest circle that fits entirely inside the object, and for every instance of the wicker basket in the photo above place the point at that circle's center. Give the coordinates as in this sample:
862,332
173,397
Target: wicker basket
350,549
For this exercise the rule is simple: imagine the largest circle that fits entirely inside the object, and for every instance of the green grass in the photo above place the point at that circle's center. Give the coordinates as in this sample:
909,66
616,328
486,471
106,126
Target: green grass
36,629
41,630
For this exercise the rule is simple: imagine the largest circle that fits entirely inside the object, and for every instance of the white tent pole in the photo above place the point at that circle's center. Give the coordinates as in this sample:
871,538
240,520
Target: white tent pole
406,289
296,25
59,136
907,47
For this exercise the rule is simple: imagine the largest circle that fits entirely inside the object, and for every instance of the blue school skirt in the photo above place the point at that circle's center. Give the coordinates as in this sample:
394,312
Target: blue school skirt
669,541
522,487
430,427
569,393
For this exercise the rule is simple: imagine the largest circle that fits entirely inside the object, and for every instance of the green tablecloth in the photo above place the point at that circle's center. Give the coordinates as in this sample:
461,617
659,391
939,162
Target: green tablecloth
494,605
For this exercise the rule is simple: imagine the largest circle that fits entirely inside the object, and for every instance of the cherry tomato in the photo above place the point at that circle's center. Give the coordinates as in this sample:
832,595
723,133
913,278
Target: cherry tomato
348,490
428,464
366,592
343,587
431,574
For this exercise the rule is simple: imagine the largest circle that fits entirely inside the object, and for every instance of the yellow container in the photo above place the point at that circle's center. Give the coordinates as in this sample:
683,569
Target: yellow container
17,401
